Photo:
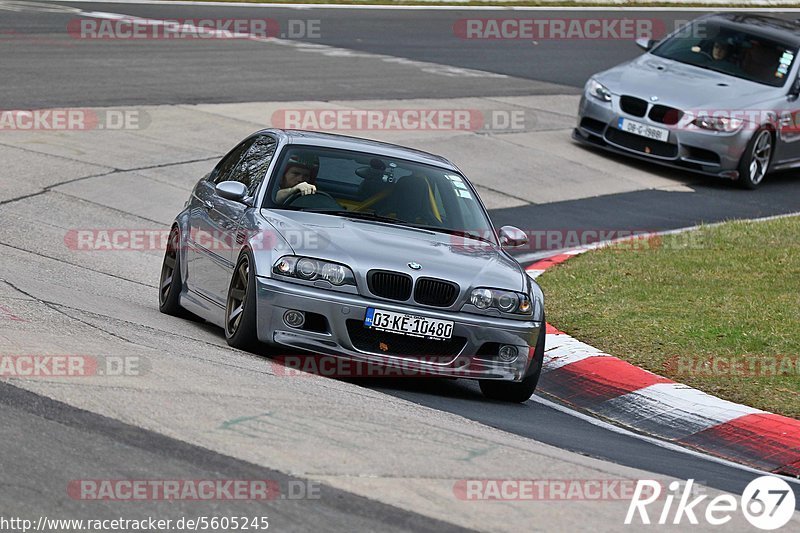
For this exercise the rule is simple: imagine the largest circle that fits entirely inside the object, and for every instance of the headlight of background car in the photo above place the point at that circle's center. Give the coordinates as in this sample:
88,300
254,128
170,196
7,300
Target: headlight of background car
505,301
310,269
726,124
598,90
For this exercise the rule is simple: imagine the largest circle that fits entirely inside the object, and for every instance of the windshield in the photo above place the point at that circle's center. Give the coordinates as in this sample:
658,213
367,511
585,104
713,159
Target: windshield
730,51
386,190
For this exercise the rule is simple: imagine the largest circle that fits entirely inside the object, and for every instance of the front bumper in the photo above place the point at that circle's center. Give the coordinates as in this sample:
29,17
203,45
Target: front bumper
706,152
471,361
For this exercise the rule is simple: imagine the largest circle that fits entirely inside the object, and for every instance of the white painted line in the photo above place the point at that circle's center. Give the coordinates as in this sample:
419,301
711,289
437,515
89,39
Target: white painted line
671,410
326,50
561,350
767,6
535,273
653,440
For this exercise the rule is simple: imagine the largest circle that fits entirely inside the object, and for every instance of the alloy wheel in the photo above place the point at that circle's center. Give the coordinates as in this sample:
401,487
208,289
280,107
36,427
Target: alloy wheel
234,309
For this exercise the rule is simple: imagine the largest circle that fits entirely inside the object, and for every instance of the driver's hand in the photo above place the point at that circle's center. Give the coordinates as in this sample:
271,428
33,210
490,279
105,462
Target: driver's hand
305,188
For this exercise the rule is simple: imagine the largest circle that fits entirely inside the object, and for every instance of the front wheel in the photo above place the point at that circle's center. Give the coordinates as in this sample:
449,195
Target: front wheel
756,159
170,284
240,308
518,392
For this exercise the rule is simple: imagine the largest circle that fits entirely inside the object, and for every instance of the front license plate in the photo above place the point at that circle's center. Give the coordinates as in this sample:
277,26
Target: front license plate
643,130
413,325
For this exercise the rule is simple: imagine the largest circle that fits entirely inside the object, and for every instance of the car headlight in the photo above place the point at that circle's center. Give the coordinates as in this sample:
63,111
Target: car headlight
598,90
505,301
726,124
310,269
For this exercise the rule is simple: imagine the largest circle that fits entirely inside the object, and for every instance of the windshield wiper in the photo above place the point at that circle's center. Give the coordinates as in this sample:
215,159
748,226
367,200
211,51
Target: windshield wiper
366,215
449,231
356,214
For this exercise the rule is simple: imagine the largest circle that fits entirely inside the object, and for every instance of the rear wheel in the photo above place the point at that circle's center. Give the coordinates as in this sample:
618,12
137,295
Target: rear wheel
240,308
518,392
756,159
170,284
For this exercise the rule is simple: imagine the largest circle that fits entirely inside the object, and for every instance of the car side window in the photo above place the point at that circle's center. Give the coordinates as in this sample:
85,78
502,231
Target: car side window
227,166
253,165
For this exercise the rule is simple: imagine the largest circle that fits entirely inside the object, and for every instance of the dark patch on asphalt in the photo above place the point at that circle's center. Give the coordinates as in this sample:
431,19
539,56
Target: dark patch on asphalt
57,443
653,210
544,424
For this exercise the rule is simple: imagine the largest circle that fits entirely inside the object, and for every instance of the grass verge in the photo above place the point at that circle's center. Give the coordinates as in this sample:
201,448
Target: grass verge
717,308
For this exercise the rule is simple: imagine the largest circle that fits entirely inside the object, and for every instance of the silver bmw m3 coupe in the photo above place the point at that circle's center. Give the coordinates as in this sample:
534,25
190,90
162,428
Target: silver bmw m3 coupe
719,97
356,249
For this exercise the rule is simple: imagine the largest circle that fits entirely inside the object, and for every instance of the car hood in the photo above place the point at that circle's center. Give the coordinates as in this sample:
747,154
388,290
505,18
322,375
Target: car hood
364,245
682,86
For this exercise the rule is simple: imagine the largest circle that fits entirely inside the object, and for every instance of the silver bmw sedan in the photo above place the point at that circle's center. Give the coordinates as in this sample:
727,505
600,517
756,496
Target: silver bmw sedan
719,97
356,249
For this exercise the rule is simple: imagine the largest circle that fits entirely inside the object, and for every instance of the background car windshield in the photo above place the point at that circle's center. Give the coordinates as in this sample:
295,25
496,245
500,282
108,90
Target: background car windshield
364,184
730,51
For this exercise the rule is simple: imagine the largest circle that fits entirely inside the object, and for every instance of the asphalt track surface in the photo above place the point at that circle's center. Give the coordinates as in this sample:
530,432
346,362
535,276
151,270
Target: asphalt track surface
73,440
45,68
103,73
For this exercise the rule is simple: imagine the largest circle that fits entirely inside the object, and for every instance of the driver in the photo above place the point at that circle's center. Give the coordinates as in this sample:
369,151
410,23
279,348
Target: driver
299,176
721,51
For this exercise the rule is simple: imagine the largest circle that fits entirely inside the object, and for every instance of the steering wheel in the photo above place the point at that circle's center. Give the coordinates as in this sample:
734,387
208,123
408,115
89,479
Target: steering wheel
297,194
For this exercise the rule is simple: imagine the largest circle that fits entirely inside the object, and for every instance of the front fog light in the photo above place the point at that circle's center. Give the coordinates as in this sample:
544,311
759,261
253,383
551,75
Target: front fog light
481,298
508,353
294,319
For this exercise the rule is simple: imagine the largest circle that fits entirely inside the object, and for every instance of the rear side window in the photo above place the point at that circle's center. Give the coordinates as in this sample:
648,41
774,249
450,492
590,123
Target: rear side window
253,165
226,167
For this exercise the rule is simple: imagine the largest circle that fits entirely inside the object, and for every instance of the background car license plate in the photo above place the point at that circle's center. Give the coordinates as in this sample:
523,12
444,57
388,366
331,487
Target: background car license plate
417,326
644,130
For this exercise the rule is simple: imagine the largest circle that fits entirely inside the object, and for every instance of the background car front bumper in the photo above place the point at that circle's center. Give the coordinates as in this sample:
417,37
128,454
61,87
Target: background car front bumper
707,152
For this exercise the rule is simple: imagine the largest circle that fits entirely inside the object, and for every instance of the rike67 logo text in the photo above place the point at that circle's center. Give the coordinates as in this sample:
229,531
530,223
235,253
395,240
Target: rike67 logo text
767,503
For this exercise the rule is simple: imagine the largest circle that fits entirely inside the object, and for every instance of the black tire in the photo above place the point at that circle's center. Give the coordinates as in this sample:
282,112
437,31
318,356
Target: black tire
756,159
518,392
240,306
170,284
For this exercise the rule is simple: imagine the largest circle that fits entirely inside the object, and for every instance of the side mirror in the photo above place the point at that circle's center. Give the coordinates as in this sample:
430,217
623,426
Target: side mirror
645,44
794,92
512,237
232,190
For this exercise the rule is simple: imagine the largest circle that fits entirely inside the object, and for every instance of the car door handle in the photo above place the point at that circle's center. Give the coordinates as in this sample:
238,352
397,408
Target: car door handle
208,204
